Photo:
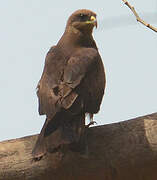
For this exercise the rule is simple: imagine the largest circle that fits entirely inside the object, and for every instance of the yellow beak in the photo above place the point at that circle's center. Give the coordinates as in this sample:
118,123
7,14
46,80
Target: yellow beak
92,21
92,18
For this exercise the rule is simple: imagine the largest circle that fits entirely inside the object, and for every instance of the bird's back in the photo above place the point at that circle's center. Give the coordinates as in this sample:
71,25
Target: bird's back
93,86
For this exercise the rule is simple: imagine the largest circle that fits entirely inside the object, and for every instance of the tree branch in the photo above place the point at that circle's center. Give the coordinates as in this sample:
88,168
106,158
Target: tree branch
121,151
138,18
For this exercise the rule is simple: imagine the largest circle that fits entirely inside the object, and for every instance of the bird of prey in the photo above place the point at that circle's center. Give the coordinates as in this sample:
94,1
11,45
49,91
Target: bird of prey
72,85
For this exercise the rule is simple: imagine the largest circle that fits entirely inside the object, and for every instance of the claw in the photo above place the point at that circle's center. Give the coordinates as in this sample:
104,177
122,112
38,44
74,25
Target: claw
91,123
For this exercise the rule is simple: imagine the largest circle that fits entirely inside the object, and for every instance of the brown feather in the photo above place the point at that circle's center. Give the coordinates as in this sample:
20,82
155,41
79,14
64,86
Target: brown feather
72,84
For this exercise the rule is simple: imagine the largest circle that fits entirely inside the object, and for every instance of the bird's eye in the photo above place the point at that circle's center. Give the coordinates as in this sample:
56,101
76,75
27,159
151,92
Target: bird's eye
83,17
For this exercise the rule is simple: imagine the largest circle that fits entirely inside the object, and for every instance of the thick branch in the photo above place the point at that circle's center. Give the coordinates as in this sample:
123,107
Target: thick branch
121,151
138,18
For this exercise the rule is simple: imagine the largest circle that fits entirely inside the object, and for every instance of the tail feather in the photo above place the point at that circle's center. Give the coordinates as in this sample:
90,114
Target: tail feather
40,147
63,128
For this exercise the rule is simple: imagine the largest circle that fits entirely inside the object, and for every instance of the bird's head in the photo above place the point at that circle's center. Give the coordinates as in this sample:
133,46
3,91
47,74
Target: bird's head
82,20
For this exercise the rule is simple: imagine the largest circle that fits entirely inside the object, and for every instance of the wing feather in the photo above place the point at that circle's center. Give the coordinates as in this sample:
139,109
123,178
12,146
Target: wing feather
53,96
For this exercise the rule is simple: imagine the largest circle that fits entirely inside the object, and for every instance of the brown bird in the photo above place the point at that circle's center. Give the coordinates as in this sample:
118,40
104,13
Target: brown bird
72,84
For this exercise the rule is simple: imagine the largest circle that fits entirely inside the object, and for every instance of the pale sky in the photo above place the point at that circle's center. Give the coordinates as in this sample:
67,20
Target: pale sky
128,49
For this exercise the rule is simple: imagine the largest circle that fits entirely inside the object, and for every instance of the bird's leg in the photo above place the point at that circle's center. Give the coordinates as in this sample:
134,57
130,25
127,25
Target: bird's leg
91,121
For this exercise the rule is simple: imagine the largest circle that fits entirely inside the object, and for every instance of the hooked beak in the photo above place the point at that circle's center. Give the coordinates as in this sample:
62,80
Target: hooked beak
93,21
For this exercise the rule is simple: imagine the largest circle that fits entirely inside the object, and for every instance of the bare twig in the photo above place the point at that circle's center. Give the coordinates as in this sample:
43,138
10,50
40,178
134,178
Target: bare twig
138,18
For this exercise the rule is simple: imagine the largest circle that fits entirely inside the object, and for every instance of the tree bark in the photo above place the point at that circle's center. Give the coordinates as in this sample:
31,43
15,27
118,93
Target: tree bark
119,151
